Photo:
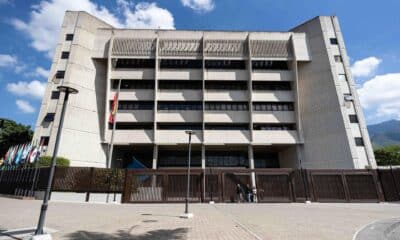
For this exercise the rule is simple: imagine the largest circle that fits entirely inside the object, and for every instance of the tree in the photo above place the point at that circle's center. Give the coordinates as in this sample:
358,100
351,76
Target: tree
389,155
12,133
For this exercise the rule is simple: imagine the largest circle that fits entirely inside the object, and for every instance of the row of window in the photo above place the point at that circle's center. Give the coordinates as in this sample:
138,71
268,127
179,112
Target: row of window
199,126
209,106
198,84
198,64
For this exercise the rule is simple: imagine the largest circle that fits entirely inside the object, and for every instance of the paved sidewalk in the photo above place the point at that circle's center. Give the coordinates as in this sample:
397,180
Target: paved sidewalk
219,221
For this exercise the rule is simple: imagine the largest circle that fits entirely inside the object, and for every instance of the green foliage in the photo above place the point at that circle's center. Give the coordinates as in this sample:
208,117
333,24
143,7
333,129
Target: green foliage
13,133
45,161
389,155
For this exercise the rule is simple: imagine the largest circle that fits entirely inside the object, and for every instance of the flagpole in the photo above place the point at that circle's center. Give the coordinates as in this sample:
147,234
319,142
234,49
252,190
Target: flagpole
111,149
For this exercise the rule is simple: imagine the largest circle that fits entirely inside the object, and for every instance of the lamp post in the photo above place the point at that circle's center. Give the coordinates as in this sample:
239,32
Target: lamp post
39,230
187,214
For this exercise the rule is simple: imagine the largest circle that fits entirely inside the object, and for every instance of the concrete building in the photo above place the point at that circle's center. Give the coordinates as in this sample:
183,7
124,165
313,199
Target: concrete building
253,99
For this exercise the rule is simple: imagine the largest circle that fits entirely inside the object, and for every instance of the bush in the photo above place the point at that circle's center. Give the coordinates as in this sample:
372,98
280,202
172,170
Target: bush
389,155
45,161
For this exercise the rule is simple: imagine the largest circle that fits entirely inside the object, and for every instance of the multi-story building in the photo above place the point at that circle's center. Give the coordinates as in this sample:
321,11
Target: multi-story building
253,99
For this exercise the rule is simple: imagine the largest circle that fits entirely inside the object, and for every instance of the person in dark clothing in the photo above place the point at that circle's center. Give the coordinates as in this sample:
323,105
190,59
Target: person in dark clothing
248,193
239,193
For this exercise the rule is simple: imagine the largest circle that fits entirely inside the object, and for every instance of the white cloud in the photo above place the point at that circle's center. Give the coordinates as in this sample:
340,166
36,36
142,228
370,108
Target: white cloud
381,96
7,60
39,71
24,106
199,5
47,16
365,67
34,88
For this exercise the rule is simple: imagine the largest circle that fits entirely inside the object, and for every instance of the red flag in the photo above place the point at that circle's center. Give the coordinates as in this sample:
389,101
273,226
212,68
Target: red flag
114,109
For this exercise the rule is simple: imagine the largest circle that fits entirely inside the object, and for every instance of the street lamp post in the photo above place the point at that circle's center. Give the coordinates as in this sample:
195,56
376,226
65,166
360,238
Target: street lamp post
187,214
39,230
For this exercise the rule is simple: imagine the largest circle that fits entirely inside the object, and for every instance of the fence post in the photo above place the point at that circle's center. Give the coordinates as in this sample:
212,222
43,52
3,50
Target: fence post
345,186
90,185
127,187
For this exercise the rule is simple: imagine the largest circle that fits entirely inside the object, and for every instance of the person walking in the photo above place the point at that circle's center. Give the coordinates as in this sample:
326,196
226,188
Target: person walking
248,193
239,193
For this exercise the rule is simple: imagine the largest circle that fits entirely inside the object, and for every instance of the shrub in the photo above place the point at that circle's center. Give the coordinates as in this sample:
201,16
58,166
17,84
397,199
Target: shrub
45,161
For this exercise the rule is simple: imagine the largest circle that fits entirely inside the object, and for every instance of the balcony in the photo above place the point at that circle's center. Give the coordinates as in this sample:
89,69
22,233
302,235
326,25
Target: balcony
134,73
275,137
226,137
273,96
131,136
226,74
179,116
273,117
229,95
135,116
227,116
272,75
180,74
133,95
179,95
177,137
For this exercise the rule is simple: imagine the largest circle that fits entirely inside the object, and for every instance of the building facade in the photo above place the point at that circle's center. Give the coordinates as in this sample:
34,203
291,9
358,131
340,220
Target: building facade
253,99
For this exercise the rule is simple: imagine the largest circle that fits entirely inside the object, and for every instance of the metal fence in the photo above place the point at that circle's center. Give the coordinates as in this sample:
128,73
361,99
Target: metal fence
219,185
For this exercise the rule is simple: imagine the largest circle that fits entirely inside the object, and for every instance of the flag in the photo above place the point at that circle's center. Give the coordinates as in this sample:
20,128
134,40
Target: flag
26,152
7,154
33,155
13,155
19,154
114,109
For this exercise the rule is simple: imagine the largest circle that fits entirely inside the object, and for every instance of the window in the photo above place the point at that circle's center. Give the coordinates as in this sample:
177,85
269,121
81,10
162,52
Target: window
55,95
225,64
353,118
60,74
69,37
64,55
180,106
334,41
179,126
227,159
269,65
131,126
348,97
273,106
342,77
133,84
181,63
227,106
226,85
359,142
49,117
338,59
134,105
227,126
44,141
180,84
135,63
274,126
272,86
174,158
266,159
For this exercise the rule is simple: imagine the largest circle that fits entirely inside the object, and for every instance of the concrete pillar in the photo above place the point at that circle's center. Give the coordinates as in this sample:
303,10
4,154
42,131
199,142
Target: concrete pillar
155,153
253,174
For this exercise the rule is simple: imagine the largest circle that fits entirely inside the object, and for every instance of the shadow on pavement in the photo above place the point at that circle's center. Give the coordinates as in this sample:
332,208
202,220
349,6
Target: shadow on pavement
178,233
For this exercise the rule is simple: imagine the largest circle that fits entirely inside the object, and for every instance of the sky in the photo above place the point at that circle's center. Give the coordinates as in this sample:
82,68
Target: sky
29,30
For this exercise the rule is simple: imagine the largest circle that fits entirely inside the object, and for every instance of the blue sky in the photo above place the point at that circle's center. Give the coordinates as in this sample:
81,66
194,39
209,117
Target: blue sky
371,30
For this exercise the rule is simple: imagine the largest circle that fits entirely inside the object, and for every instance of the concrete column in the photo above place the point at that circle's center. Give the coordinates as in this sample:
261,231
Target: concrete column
155,154
253,174
203,156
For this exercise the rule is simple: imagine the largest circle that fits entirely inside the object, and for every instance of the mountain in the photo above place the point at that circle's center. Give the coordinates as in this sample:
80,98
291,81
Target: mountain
385,133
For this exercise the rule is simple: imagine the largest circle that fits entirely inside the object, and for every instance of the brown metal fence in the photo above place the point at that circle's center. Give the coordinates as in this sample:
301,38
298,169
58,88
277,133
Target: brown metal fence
219,185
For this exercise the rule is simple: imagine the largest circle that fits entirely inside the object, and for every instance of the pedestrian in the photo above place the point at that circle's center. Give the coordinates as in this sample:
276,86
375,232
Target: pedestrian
239,193
248,193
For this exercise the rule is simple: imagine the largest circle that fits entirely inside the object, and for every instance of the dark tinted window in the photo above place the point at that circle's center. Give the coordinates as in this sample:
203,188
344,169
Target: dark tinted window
179,126
180,106
225,64
273,106
226,126
44,141
135,63
359,141
227,159
134,105
49,117
264,85
181,63
266,160
338,58
227,106
334,41
269,65
173,158
60,74
133,84
226,85
131,126
183,84
274,126
64,55
69,37
353,118
55,95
